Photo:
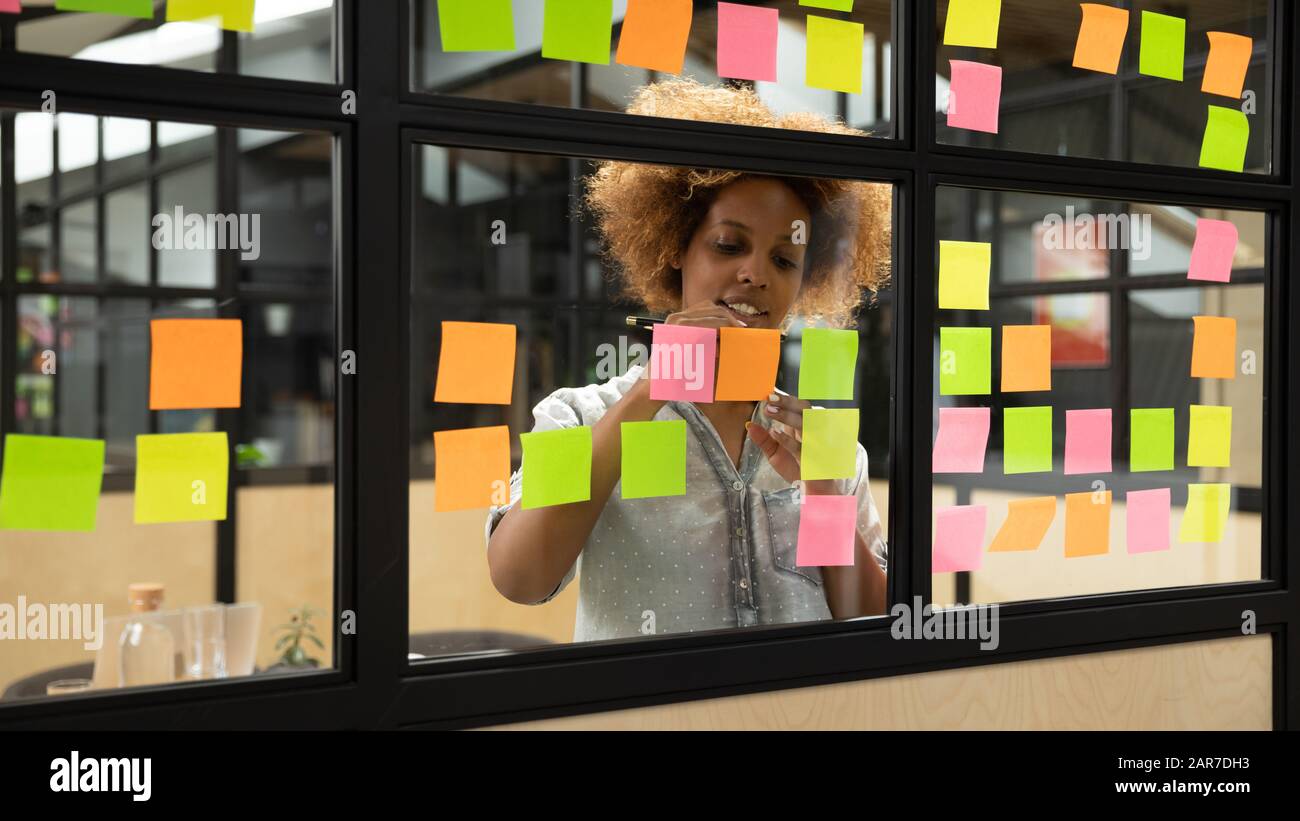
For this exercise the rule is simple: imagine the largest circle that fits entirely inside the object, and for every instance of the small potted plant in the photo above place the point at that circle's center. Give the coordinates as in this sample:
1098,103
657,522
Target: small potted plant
298,629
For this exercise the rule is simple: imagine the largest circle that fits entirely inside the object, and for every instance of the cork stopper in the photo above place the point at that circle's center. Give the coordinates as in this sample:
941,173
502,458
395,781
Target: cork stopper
144,596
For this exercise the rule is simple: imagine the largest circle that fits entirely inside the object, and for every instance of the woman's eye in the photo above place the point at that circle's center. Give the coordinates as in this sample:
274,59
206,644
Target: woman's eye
782,262
727,247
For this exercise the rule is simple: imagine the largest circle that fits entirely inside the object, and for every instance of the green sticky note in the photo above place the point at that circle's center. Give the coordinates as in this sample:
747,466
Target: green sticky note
654,459
834,54
124,8
557,467
830,444
964,361
181,477
578,30
476,25
964,275
1206,514
833,5
972,23
828,363
1027,440
1151,439
1226,133
1209,437
50,483
1161,52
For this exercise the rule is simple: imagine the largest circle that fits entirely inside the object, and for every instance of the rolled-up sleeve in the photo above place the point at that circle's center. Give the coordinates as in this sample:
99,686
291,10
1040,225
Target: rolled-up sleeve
869,525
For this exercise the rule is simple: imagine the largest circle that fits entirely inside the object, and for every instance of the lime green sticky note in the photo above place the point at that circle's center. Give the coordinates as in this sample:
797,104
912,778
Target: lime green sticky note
1209,437
181,477
476,25
830,444
557,467
578,30
1161,52
1206,514
654,459
827,364
50,483
834,54
1027,440
964,361
964,275
232,15
123,8
1227,131
1151,439
833,5
972,23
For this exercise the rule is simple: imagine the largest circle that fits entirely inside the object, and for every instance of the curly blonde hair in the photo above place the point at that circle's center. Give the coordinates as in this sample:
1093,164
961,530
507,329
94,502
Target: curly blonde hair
647,214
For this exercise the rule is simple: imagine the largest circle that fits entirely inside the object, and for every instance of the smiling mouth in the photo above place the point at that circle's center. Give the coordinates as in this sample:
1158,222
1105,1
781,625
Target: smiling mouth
746,312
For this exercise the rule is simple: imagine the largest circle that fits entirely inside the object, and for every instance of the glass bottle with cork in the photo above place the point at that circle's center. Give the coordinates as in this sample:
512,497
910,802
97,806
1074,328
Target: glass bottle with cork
147,649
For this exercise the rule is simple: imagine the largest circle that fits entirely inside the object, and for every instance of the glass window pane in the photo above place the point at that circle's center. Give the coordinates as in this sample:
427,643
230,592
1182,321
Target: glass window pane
286,187
189,191
127,232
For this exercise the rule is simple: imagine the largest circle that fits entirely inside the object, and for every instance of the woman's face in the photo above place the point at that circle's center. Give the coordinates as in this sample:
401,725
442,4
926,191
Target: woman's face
743,256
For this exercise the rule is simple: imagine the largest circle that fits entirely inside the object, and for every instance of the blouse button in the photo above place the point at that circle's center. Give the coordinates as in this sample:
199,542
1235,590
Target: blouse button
737,485
744,584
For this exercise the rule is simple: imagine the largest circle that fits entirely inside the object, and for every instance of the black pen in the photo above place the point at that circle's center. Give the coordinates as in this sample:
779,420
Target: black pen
651,321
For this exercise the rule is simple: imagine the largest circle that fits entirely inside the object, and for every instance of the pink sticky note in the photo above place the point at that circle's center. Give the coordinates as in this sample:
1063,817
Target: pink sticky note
958,538
1213,250
974,96
747,42
682,360
826,528
963,436
1148,520
11,6
1087,441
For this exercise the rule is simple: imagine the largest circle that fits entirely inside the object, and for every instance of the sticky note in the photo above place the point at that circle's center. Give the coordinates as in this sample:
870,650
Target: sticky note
1026,358
828,363
476,25
964,275
181,477
1027,440
972,23
50,483
653,459
124,8
827,525
1225,68
682,362
1087,524
833,5
1206,514
654,35
1224,145
473,468
557,467
958,538
195,363
1087,441
962,439
578,30
830,444
748,359
1212,250
11,6
1214,347
747,42
1209,437
1151,439
1101,38
476,364
834,54
974,96
1026,524
964,366
1161,53
1148,522
234,15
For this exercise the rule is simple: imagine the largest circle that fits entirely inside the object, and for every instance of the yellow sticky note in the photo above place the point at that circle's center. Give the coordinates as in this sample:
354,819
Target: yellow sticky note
1026,358
473,468
972,23
1087,524
181,477
1206,514
234,15
964,275
1214,347
1026,524
1209,437
834,54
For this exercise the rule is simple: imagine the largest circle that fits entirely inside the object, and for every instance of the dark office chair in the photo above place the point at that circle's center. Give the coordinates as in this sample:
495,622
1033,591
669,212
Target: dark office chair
455,642
34,685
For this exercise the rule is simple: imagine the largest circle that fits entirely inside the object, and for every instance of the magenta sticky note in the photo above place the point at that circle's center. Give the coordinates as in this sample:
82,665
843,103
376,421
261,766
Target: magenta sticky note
1148,520
958,538
1087,441
826,528
1213,250
974,96
961,441
747,42
682,361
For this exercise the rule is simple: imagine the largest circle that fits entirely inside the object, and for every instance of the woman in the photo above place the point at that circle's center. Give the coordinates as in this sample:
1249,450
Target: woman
717,249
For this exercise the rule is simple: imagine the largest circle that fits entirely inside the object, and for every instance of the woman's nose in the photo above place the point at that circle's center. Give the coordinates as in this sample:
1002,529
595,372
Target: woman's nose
751,273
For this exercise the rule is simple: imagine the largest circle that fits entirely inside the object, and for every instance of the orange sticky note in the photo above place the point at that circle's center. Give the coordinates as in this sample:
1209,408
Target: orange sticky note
1087,524
195,363
477,363
472,468
747,362
1214,347
654,35
1026,358
1225,68
1026,525
1101,38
